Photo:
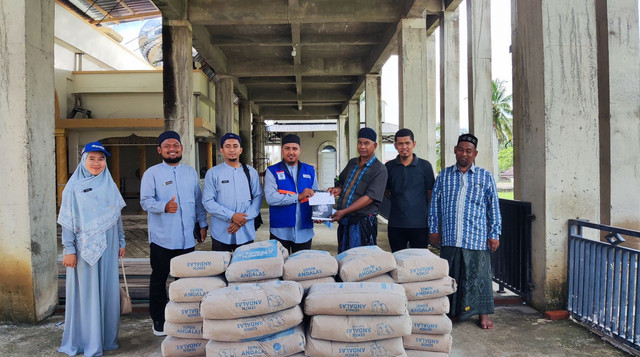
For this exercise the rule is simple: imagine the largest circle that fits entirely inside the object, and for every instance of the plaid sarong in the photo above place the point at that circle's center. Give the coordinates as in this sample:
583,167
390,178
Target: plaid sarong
472,271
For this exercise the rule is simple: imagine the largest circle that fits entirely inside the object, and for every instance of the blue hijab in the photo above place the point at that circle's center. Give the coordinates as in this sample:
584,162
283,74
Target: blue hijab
90,206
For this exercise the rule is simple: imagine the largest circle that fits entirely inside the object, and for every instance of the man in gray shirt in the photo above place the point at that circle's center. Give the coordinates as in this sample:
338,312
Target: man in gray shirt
409,189
360,189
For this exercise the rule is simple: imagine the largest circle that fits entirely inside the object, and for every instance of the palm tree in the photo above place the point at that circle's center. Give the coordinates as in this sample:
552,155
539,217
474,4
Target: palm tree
502,113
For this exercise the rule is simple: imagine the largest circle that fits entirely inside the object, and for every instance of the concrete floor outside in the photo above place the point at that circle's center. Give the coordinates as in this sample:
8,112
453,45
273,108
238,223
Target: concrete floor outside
519,330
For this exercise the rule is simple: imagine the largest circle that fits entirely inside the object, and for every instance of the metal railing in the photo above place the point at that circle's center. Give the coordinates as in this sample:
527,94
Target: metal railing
604,287
511,263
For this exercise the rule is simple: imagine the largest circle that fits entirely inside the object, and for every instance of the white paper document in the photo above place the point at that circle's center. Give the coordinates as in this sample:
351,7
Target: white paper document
321,198
321,206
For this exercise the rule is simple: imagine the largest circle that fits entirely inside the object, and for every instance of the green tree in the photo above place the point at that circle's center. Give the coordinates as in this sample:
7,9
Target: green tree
502,113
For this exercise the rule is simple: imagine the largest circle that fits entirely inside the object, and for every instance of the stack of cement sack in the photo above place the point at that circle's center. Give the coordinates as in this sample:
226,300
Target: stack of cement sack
199,274
310,267
425,278
359,319
250,319
257,314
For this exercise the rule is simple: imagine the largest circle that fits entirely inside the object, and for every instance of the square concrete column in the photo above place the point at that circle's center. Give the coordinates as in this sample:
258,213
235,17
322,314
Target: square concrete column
449,86
373,107
177,77
480,89
353,123
343,149
428,142
245,131
260,134
619,90
224,109
555,131
28,258
412,80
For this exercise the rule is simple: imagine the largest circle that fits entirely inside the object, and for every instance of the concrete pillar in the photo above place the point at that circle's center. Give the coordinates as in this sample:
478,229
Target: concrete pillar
177,77
28,258
343,147
245,132
480,89
555,131
224,109
62,171
373,108
412,79
449,86
259,156
353,123
619,91
429,142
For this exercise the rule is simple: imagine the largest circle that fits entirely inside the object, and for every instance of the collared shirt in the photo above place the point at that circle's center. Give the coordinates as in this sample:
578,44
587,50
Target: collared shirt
159,184
409,186
274,198
226,192
465,208
370,182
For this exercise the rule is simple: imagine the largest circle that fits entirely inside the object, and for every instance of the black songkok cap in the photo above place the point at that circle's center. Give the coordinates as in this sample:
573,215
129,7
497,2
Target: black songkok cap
228,136
367,133
290,138
470,138
168,135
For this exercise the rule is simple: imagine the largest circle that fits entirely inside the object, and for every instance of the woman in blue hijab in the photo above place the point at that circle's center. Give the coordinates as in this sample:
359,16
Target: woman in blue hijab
93,239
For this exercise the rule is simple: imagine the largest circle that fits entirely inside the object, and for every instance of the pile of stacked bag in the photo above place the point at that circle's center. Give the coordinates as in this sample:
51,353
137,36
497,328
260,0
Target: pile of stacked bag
249,303
356,317
425,278
197,273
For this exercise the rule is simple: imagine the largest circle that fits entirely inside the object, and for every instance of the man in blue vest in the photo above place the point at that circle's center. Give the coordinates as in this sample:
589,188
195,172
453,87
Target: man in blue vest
287,188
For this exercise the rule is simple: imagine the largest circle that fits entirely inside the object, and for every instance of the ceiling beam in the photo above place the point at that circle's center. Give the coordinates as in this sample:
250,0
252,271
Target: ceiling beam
172,9
294,112
306,40
311,67
138,16
290,96
257,12
212,54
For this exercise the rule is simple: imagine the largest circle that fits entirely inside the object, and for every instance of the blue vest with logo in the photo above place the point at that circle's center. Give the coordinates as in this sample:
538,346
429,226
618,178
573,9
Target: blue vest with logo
285,216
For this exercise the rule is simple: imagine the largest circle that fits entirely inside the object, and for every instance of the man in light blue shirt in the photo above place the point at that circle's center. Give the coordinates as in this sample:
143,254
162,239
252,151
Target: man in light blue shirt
464,218
287,188
233,197
170,193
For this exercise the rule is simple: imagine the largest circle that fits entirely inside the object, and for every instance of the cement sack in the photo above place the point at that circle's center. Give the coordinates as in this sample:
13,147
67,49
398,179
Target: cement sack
178,312
309,264
307,284
355,299
362,263
256,261
194,289
430,289
359,328
182,347
391,347
183,330
431,324
418,265
252,327
418,353
236,283
285,343
251,300
384,278
199,263
435,306
434,343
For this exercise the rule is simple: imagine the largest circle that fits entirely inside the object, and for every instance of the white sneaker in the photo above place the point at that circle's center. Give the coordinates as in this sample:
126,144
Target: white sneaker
160,329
